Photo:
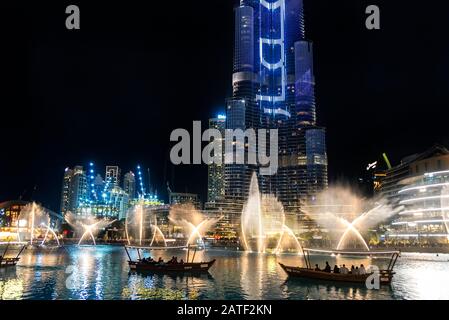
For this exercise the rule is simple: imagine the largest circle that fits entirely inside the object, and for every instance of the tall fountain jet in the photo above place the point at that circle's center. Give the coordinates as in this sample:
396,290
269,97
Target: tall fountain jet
252,219
263,227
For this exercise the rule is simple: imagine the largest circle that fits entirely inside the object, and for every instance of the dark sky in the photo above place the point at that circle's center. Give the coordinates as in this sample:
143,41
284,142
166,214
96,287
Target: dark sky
113,91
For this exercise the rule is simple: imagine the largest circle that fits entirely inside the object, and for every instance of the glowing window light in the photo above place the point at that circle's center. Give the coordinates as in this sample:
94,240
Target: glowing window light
424,187
423,210
423,199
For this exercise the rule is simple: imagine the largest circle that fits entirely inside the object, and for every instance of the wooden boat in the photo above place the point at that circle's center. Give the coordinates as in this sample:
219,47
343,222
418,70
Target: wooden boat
5,261
166,267
385,275
171,267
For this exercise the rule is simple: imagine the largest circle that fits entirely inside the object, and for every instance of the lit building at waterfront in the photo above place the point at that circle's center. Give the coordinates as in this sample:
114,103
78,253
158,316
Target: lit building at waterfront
11,220
419,185
85,193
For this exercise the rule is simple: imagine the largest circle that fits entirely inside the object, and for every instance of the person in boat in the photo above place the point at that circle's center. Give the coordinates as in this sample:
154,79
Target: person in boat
181,262
336,269
317,268
327,268
352,269
362,269
160,260
344,270
356,271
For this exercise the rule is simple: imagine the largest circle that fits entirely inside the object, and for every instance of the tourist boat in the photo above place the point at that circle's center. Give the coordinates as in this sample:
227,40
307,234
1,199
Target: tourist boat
5,261
385,275
166,267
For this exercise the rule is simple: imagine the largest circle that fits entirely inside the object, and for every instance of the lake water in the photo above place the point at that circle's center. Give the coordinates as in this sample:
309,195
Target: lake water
101,272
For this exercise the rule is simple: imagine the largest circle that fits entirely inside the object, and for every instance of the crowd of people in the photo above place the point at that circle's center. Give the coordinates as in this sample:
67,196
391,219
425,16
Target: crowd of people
173,260
342,269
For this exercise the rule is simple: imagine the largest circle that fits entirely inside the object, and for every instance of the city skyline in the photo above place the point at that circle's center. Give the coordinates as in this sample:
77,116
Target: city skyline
217,151
390,52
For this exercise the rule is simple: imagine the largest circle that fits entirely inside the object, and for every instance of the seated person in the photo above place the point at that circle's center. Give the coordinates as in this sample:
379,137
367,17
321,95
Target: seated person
344,270
327,268
317,268
352,269
181,262
362,269
356,271
336,269
160,260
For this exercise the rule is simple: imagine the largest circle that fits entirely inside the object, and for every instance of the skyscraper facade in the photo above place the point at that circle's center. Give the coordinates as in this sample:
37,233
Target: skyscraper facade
215,172
113,175
129,184
274,88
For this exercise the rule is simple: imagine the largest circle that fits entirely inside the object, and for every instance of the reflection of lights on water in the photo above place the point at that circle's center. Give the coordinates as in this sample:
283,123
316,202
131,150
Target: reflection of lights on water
11,289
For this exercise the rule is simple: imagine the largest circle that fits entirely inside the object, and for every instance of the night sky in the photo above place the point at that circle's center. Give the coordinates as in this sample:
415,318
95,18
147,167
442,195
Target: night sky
113,91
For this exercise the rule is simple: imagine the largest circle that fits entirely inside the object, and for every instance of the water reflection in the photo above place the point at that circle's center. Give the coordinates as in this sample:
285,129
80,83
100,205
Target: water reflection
102,273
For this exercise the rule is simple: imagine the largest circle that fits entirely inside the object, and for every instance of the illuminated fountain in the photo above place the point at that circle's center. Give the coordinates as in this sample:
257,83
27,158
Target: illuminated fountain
192,221
137,218
346,217
33,224
87,226
263,227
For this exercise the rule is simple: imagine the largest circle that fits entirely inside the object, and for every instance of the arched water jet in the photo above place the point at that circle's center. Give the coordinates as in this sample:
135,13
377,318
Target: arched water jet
293,236
88,230
351,228
196,233
157,230
49,229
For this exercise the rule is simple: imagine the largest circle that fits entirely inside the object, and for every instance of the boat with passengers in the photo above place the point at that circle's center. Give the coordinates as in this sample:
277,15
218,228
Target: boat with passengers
308,272
149,265
11,261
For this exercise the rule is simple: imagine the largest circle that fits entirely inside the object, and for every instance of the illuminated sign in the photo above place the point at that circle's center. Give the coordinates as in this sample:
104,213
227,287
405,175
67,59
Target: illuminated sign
272,52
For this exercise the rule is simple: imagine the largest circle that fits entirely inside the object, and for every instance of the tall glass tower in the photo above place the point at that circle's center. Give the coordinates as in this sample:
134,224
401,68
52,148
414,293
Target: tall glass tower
274,88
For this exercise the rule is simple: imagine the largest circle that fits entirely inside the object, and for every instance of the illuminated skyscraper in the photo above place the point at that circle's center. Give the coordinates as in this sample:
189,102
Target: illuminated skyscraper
75,191
129,184
113,175
66,190
274,88
215,174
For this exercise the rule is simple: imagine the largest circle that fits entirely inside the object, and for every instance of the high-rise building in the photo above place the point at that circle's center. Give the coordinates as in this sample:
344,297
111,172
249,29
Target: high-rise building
129,184
66,190
215,183
274,88
113,175
78,190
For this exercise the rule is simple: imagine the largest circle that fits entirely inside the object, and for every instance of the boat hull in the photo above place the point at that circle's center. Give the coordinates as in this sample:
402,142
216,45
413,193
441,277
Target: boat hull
170,268
8,262
385,276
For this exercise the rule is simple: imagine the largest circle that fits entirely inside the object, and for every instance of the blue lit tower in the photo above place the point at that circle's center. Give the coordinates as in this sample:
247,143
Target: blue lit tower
274,88
140,184
91,183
